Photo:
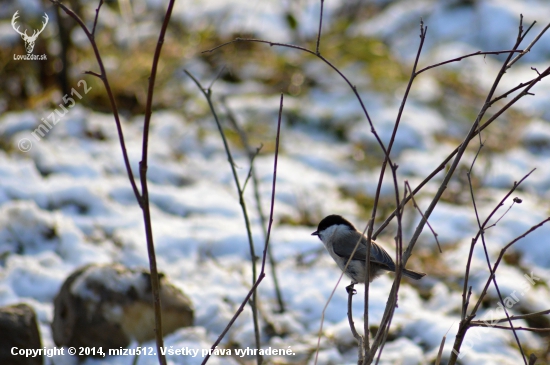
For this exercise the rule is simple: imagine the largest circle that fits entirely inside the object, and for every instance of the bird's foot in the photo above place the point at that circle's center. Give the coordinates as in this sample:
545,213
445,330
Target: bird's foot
349,288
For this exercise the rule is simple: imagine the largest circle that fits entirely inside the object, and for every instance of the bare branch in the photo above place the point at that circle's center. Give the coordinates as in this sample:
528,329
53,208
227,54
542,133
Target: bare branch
155,284
251,169
457,59
103,76
502,216
495,266
353,88
256,186
474,240
530,84
208,95
542,330
464,144
422,214
528,49
513,318
358,337
143,198
93,74
320,27
381,335
261,276
423,31
505,95
440,352
96,16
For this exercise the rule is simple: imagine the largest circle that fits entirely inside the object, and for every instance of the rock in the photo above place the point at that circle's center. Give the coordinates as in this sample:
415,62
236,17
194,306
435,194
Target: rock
111,305
18,328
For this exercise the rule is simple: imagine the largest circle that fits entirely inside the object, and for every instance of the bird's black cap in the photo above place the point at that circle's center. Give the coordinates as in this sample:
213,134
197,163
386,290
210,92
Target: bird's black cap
331,220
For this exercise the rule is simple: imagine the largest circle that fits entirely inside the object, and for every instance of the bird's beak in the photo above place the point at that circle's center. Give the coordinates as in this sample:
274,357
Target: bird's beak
316,233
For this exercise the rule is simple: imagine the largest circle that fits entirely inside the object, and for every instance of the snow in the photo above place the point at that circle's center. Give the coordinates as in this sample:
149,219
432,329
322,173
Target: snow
119,282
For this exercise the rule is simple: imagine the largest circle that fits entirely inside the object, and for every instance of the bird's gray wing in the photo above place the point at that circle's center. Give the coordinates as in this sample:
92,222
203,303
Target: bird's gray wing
345,247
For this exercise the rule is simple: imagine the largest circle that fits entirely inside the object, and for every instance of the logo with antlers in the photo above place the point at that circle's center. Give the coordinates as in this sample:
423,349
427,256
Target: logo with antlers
29,40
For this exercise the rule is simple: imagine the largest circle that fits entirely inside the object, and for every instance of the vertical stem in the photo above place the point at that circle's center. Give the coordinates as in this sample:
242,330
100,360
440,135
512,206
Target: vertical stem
262,270
320,27
257,197
253,303
155,283
143,198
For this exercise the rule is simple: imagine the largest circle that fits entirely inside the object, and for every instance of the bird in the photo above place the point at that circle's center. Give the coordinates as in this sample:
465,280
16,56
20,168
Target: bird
340,238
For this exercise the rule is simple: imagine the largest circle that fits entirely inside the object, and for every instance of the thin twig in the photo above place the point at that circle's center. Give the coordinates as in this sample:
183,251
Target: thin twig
505,95
502,216
96,16
465,323
353,88
441,166
216,78
464,144
351,293
358,337
465,301
254,303
320,27
392,302
385,331
482,231
440,352
388,312
251,168
366,341
513,318
238,39
261,276
382,334
323,318
143,198
528,49
423,31
501,255
256,187
390,306
422,214
457,59
441,346
93,74
103,76
542,330
155,283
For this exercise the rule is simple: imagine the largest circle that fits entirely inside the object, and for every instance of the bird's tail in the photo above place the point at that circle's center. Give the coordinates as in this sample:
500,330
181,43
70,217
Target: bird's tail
413,274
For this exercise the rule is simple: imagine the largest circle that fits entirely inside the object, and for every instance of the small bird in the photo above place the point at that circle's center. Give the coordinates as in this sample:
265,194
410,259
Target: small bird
340,237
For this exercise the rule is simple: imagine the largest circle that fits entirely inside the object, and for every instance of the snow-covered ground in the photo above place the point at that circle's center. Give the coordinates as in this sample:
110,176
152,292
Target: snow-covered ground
66,201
